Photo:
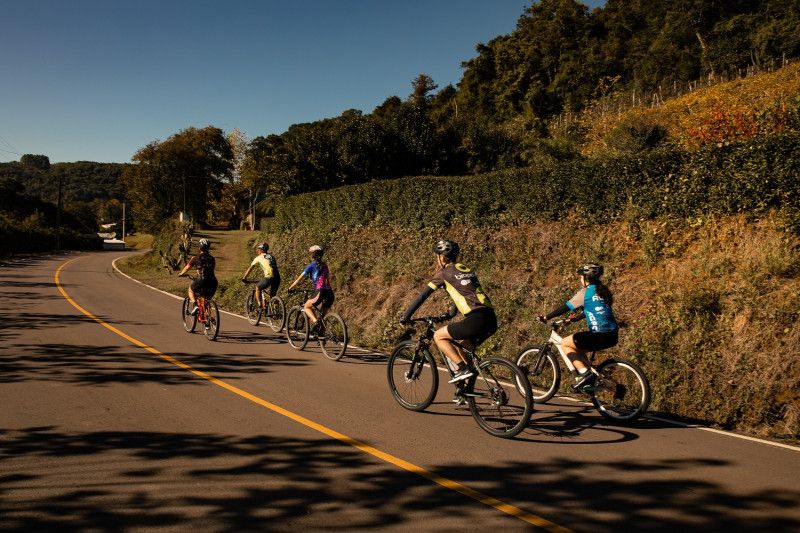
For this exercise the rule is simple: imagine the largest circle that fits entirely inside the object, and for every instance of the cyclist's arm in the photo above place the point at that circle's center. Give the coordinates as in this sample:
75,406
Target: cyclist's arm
419,300
186,267
298,280
576,302
247,272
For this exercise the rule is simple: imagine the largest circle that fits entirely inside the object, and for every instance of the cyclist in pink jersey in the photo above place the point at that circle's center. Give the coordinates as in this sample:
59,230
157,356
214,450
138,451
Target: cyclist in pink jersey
317,271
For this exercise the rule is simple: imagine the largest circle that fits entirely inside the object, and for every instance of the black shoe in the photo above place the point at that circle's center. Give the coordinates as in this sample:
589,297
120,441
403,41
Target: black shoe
462,375
585,381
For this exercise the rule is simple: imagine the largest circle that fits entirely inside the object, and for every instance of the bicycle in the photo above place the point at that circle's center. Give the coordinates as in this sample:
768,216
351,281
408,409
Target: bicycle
275,312
499,408
620,393
331,334
207,314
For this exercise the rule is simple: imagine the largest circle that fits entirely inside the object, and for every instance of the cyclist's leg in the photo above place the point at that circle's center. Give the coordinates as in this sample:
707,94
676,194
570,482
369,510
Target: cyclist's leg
575,354
260,288
443,340
308,308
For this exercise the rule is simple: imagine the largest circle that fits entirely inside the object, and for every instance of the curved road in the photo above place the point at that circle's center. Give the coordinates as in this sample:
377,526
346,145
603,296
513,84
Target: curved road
137,425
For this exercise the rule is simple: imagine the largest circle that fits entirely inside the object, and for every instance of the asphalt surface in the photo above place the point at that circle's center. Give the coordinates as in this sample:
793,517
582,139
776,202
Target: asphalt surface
99,433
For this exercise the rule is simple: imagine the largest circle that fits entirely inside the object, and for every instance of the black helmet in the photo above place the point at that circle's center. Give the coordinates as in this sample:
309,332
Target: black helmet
590,270
264,247
447,248
204,245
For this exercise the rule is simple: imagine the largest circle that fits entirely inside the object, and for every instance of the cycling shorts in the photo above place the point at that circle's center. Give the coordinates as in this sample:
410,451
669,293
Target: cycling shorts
206,287
592,341
477,326
322,298
270,283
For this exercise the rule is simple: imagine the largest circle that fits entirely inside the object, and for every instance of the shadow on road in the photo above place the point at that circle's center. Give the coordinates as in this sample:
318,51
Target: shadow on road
105,365
126,480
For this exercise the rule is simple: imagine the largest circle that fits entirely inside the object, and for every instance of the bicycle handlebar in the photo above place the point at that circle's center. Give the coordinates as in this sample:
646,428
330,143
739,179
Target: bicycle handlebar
431,319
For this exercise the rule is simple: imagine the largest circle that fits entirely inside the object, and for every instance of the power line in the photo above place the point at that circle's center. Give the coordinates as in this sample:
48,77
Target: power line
8,144
10,152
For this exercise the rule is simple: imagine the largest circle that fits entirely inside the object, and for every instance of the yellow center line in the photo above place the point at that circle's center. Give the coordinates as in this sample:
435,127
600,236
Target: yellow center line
366,448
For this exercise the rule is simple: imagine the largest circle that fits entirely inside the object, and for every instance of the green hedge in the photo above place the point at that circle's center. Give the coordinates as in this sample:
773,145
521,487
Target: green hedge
751,177
20,237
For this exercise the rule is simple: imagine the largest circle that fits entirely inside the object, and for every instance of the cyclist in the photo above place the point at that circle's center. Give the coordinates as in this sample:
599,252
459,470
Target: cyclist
596,300
463,287
206,282
272,278
317,271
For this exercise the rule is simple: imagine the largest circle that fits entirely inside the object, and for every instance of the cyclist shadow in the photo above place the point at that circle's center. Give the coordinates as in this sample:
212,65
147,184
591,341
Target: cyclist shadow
364,358
583,426
249,337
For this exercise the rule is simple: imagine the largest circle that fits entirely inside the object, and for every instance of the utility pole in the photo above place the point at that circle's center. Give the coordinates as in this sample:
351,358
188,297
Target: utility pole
58,214
123,221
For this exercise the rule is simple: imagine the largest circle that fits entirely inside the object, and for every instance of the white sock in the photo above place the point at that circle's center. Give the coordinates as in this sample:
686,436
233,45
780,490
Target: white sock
582,371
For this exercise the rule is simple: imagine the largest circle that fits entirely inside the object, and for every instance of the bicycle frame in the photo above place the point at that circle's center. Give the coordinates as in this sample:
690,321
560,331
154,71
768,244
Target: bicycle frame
555,339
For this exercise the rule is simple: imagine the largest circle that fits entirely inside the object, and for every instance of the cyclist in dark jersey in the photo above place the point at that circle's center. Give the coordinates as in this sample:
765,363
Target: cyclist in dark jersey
206,283
595,299
317,271
463,287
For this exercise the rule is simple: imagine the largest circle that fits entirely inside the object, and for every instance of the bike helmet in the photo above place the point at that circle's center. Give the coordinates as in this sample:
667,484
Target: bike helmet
315,251
264,247
590,270
204,244
447,248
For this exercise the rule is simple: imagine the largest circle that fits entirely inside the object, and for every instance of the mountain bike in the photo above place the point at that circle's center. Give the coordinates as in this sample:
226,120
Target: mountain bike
620,393
499,408
331,332
207,314
274,314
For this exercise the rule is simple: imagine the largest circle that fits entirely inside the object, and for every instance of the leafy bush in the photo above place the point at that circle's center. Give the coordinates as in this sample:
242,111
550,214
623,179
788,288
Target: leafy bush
750,177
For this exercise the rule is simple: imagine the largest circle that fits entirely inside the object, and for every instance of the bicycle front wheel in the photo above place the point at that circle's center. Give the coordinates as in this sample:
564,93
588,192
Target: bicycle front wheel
622,392
541,367
333,336
497,405
189,320
297,328
252,310
211,327
276,314
413,376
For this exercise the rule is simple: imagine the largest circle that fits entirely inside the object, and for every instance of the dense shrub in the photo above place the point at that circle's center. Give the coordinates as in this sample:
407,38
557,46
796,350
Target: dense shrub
750,177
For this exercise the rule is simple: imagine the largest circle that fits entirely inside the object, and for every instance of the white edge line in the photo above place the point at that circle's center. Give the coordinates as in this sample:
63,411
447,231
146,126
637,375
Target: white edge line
651,417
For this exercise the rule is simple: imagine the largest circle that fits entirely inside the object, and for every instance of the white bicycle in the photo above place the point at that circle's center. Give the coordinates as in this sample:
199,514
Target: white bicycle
620,393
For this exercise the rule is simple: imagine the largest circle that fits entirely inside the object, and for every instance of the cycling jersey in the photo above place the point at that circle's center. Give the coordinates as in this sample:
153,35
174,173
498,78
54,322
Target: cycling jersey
599,316
461,284
319,274
268,265
204,263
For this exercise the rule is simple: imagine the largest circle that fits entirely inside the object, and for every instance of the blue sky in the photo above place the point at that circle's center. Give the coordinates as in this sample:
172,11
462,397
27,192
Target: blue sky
98,79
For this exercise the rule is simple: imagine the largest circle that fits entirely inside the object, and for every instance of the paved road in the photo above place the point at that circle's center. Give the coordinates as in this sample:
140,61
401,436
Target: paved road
97,432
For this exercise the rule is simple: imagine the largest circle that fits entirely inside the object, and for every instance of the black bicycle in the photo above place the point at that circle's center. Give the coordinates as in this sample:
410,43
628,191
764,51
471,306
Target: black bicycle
274,314
499,407
620,393
331,330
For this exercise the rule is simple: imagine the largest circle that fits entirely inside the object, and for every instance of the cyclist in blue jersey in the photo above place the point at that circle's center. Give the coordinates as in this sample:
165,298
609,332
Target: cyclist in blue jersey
317,271
595,299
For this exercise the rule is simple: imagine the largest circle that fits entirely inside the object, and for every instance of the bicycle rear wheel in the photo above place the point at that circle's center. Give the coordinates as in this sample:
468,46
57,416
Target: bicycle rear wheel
496,404
189,320
413,376
211,327
276,314
622,392
252,310
297,328
333,336
542,370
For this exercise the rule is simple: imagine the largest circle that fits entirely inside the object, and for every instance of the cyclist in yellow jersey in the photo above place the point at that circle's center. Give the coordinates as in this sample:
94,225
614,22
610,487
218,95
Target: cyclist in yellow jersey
269,267
463,287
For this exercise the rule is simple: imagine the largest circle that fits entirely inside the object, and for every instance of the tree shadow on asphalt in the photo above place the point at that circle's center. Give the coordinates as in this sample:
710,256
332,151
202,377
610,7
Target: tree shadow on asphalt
125,480
106,365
